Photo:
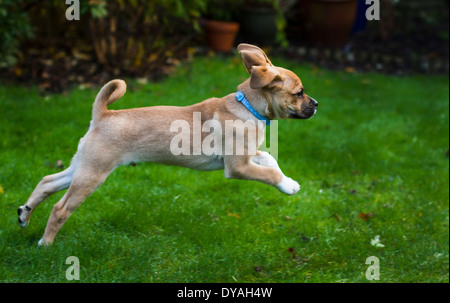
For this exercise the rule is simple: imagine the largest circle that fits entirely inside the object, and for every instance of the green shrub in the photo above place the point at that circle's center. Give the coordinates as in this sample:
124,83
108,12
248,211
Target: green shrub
14,27
132,36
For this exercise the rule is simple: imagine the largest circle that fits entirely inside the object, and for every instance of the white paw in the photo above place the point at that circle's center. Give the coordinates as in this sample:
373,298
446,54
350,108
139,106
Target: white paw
43,243
24,213
288,186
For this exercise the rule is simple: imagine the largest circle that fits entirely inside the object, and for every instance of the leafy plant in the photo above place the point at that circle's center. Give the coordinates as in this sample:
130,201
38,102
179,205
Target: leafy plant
134,34
132,37
15,27
224,10
280,7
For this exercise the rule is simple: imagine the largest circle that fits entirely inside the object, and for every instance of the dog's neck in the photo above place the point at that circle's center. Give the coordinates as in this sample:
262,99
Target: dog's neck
257,99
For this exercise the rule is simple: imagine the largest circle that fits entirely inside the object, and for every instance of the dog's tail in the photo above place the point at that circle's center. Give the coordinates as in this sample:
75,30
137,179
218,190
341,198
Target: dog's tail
109,93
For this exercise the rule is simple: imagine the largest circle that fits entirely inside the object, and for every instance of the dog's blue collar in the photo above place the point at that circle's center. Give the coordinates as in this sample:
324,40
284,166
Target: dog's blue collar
241,98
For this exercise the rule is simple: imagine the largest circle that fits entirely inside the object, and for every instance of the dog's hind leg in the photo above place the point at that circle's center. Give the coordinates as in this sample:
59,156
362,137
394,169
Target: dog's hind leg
47,186
85,181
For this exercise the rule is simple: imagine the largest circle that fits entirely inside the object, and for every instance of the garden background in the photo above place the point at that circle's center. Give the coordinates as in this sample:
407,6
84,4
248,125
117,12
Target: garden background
373,163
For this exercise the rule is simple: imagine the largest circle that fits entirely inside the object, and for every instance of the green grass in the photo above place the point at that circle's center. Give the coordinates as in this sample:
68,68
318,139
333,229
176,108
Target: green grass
377,145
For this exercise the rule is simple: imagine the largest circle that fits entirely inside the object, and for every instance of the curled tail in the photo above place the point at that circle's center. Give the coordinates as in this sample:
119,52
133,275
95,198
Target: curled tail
109,93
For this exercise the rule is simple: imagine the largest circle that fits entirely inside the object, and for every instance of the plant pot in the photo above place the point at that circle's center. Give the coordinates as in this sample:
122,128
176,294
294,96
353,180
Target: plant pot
259,25
221,35
328,22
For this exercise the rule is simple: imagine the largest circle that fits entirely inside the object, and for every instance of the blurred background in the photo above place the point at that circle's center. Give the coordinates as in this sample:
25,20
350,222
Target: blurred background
147,39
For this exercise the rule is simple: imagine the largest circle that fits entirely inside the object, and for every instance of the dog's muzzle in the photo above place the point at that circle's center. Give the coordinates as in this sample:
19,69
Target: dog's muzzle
313,102
312,109
307,112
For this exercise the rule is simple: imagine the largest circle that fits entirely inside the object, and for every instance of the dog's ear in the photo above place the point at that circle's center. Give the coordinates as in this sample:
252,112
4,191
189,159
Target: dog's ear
265,76
253,56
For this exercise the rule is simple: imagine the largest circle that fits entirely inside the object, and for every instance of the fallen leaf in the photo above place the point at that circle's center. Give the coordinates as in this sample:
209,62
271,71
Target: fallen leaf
191,50
142,80
365,216
44,85
2,191
350,69
337,217
81,56
234,215
292,250
84,86
376,242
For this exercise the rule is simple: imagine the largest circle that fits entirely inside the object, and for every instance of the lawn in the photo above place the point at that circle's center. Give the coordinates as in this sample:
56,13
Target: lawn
372,162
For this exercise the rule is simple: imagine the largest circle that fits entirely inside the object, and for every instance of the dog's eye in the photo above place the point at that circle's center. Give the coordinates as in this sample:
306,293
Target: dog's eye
300,94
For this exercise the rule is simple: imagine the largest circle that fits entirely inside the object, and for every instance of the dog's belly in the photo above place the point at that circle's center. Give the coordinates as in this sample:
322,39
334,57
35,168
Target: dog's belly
201,162
206,162
197,162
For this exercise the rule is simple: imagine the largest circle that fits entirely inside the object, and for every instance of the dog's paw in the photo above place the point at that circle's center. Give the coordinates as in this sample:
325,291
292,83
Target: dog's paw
288,186
24,213
43,243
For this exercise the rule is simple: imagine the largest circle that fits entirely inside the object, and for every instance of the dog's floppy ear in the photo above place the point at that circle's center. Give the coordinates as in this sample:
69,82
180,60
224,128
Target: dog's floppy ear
265,76
253,56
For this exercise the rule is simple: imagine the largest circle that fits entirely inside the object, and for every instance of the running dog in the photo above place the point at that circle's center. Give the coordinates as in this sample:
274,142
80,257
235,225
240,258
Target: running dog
120,137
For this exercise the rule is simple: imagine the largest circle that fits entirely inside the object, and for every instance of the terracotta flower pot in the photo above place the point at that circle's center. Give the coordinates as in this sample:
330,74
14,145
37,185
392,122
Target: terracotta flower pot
221,35
328,22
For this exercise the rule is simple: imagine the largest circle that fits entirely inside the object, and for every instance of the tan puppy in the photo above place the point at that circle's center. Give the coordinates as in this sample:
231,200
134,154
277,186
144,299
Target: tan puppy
118,137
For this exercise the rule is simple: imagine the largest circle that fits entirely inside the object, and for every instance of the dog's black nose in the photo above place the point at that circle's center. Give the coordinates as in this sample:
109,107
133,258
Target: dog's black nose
314,102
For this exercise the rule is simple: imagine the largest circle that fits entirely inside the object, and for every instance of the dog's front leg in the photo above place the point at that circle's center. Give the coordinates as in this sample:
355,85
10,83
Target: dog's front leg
265,159
244,168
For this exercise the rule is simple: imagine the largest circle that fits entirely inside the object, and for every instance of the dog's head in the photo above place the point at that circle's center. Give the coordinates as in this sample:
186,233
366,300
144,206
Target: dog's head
282,89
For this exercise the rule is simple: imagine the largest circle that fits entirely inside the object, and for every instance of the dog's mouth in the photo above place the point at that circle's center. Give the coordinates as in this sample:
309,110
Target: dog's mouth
305,114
